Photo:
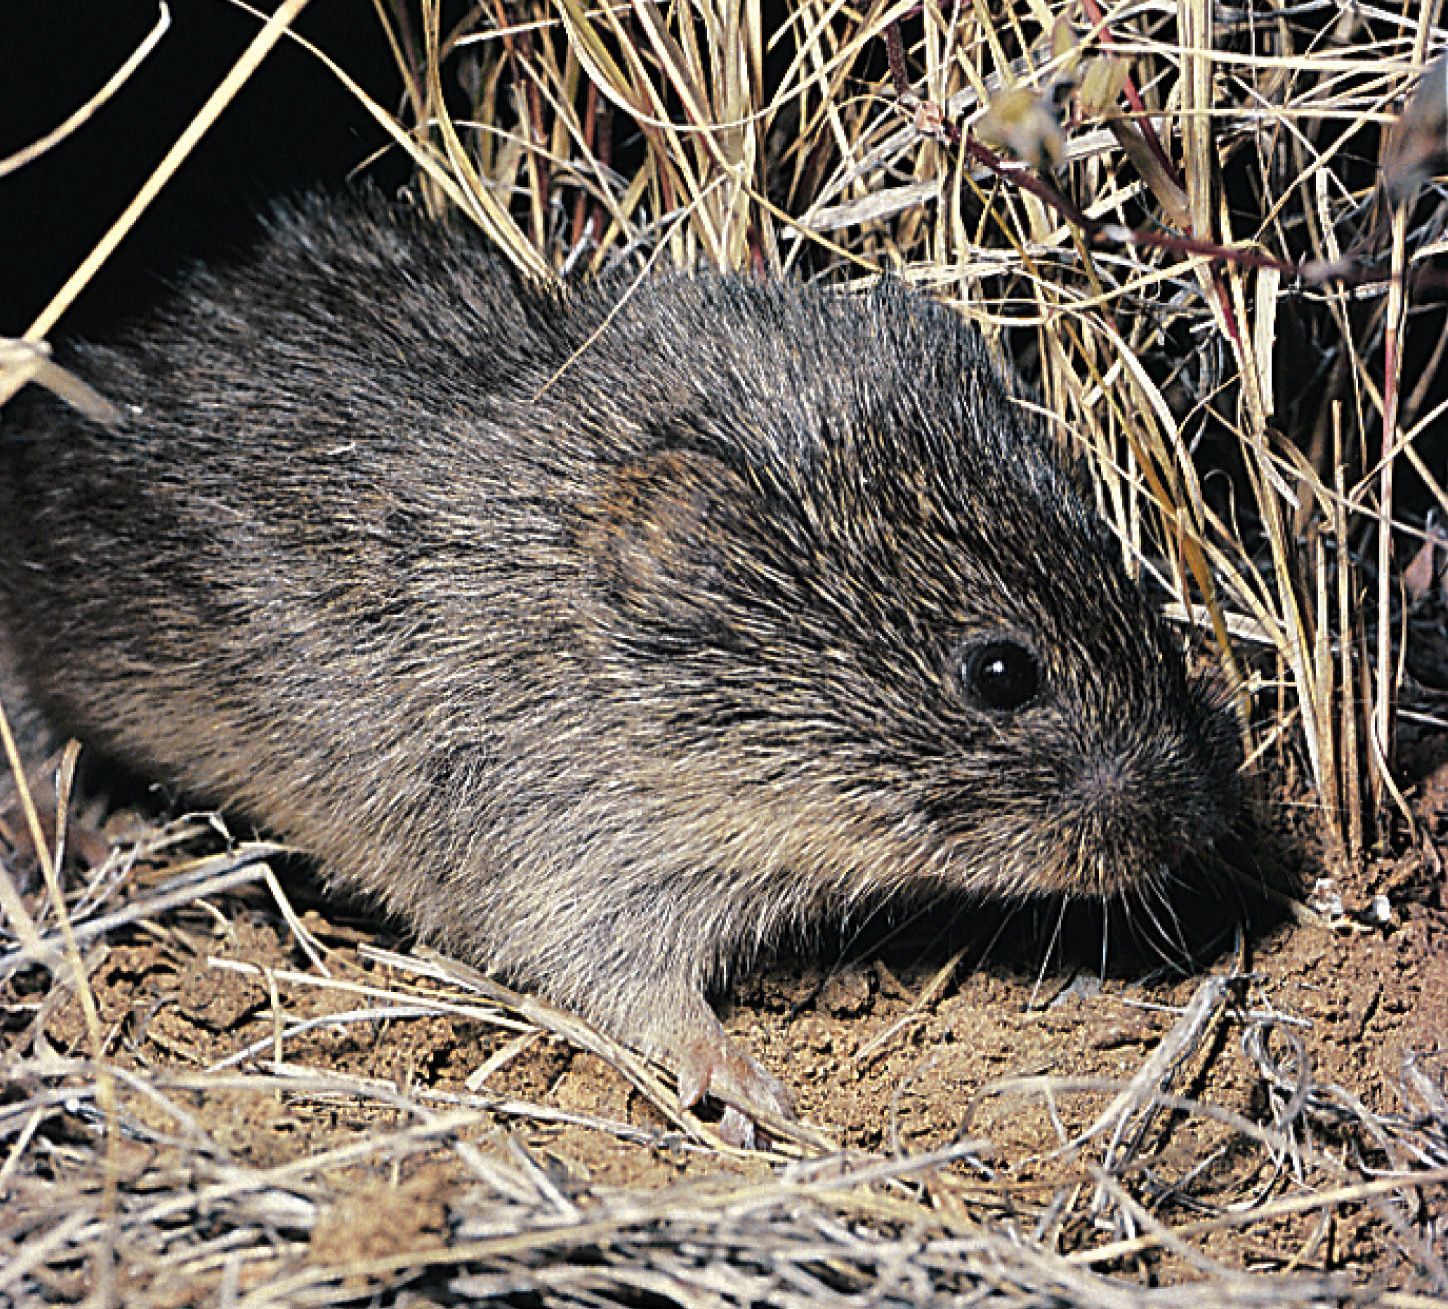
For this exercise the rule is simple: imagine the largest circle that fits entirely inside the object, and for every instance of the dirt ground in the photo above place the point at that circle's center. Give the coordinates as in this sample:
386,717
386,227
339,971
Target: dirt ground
1004,1029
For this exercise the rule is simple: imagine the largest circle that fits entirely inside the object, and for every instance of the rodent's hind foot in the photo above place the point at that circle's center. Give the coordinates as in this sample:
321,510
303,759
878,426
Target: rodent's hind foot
711,1067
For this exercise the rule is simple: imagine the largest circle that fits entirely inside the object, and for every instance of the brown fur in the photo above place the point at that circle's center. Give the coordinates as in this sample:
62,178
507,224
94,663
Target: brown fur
601,636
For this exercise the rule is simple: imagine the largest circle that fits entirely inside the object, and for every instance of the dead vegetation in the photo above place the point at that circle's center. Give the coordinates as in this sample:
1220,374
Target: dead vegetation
201,1179
1210,237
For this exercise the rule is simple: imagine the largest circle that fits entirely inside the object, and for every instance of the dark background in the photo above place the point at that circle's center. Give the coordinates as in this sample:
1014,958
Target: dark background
293,125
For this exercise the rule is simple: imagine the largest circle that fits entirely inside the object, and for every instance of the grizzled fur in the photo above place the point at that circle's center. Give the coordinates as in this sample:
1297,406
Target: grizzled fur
601,635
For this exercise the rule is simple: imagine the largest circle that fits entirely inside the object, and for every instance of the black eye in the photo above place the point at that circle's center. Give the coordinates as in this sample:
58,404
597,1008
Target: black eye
1001,674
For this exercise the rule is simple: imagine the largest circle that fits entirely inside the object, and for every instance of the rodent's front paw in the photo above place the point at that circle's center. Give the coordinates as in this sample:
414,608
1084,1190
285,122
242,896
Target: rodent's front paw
711,1066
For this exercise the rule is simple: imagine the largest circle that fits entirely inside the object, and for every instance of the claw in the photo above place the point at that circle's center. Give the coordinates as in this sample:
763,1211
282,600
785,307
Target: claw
712,1067
676,1025
737,1128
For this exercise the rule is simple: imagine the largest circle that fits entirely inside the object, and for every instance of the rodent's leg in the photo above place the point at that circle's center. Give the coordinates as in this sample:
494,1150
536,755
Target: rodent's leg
631,948
710,1065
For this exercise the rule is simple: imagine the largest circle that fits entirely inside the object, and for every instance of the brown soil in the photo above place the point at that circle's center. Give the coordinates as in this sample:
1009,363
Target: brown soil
900,1049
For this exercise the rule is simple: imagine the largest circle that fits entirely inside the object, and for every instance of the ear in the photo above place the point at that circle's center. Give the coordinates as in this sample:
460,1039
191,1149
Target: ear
659,535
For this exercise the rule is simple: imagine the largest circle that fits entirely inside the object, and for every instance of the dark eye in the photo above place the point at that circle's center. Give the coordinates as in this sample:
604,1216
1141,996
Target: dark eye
1001,674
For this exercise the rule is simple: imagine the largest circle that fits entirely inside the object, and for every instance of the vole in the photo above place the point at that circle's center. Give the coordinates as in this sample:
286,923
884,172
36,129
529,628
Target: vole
602,634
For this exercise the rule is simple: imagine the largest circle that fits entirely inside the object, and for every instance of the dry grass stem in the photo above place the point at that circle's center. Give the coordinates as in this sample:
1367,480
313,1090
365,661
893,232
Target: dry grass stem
1174,218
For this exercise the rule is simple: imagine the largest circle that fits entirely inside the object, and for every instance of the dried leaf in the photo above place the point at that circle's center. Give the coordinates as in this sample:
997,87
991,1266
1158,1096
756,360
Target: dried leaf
1024,122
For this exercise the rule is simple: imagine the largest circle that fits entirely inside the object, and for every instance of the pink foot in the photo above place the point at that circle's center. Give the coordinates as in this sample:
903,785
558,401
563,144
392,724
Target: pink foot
710,1066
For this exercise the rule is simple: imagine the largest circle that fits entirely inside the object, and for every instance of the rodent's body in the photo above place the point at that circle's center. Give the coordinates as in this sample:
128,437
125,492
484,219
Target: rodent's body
604,635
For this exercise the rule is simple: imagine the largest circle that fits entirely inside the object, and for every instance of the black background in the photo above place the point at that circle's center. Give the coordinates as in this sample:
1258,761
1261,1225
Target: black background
293,125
